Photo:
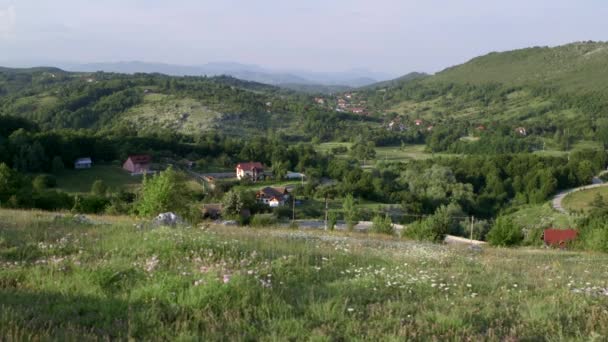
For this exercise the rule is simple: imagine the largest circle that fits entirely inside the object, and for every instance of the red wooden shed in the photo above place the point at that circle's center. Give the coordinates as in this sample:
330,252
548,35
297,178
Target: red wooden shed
559,237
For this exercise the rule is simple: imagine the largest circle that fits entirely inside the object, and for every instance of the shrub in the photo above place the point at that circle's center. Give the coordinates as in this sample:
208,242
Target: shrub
505,233
382,225
99,188
350,212
263,220
434,228
332,220
161,193
596,240
43,182
90,204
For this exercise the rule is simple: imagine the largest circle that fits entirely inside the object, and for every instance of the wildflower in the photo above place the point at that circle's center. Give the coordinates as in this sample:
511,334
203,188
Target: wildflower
226,278
350,309
468,285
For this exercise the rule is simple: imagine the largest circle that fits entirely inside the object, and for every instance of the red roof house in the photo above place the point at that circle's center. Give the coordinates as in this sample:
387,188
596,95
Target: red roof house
559,237
138,164
253,170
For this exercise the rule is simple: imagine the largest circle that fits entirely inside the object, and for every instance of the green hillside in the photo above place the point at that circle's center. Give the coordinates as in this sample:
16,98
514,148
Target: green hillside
559,95
578,67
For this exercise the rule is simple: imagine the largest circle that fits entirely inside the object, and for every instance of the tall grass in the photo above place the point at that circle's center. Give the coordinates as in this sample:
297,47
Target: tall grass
64,280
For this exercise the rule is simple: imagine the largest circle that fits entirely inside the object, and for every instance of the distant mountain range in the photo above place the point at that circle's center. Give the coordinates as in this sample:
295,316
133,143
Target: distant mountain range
287,78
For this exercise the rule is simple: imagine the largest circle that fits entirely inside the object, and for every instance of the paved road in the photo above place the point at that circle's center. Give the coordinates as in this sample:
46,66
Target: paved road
556,203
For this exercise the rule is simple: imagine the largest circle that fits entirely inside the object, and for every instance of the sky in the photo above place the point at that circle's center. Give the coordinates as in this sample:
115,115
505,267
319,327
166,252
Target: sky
390,36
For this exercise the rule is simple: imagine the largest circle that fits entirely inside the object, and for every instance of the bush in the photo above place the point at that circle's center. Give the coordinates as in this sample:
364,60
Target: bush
332,220
422,231
382,225
505,233
99,188
43,182
90,204
596,240
263,220
433,229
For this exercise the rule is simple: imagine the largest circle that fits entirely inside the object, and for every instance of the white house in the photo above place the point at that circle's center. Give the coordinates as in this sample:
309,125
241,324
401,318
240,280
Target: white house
273,196
252,170
83,163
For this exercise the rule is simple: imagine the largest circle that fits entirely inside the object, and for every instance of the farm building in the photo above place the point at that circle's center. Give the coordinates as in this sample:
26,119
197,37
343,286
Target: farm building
251,170
559,237
138,164
83,163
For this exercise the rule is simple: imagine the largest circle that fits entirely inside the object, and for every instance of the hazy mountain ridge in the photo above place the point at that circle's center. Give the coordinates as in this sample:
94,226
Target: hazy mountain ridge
352,78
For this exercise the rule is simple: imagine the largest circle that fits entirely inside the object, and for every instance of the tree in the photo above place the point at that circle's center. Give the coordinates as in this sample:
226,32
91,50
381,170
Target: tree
350,212
9,182
382,225
363,150
161,193
504,233
279,169
57,165
99,188
332,220
232,203
584,172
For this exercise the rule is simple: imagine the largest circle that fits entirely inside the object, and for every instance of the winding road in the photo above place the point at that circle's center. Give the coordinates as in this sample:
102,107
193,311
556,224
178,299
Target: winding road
556,203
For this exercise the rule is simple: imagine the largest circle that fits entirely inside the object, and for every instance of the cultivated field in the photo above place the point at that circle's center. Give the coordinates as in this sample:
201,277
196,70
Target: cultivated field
108,279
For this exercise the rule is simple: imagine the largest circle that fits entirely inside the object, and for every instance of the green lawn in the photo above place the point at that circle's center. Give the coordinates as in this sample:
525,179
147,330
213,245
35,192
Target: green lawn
111,280
581,200
80,181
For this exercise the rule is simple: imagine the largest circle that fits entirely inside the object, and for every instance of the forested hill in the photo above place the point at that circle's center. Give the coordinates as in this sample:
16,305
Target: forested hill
153,103
549,91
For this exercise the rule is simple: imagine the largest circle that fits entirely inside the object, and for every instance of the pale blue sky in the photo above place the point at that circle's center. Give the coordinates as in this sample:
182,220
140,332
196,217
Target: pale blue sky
395,36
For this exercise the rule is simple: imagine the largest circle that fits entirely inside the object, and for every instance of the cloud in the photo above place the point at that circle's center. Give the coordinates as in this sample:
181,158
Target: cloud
8,21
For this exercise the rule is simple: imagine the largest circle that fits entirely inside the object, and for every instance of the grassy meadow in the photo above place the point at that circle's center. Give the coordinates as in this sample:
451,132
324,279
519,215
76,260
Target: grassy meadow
80,181
112,279
582,200
389,153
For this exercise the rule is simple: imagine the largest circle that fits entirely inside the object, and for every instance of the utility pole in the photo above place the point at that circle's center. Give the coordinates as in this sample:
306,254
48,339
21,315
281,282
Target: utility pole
472,225
325,212
294,208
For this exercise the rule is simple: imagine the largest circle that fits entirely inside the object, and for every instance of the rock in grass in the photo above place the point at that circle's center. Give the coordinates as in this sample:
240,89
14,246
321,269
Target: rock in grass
168,219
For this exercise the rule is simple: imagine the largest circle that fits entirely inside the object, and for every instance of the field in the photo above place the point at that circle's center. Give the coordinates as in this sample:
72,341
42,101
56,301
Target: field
80,181
390,153
109,279
581,200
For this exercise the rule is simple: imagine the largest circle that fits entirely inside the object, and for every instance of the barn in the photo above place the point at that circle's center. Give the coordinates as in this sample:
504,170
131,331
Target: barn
559,237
